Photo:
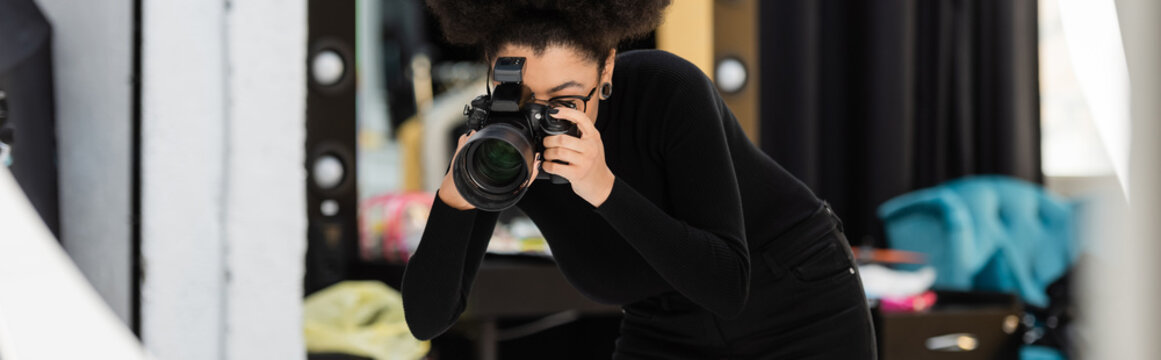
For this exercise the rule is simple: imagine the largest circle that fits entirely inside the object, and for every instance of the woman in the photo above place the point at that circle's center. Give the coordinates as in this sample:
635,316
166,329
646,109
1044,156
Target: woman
712,248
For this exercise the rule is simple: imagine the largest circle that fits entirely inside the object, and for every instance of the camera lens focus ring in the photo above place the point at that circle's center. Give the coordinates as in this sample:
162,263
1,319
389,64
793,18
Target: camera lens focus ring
493,167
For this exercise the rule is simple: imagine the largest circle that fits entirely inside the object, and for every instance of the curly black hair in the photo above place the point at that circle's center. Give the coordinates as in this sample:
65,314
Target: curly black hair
593,27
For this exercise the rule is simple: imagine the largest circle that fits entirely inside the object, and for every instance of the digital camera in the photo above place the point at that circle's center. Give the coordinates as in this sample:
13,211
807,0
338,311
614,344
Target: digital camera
493,168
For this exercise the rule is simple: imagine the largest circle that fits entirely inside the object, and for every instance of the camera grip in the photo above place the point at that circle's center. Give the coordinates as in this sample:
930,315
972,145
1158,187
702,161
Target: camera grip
556,179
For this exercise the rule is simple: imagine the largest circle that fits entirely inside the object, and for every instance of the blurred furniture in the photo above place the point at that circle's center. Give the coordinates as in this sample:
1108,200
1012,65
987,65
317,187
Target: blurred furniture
993,233
986,233
962,325
332,191
520,286
507,287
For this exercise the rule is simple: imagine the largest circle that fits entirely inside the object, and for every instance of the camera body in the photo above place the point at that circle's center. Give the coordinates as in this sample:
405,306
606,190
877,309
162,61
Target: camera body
494,166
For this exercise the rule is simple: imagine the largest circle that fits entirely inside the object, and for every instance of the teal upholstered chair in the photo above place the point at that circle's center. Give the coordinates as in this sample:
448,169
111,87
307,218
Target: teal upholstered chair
986,233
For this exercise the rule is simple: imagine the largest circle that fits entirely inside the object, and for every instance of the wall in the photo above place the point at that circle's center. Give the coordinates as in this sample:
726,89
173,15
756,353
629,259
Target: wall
92,55
183,181
265,207
223,183
688,32
1120,281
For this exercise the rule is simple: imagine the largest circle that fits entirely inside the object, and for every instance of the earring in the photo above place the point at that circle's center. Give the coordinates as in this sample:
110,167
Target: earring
606,90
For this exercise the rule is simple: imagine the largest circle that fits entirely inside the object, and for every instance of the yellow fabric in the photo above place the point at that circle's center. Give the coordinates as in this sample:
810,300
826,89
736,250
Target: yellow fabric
363,318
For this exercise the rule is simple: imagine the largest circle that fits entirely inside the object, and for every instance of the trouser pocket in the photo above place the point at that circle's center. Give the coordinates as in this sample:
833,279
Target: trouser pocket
812,250
828,260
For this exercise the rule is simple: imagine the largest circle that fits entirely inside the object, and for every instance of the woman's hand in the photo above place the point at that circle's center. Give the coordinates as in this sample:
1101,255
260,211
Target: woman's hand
447,190
586,170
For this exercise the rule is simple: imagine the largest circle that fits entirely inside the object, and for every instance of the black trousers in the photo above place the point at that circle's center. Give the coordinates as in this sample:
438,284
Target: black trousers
806,302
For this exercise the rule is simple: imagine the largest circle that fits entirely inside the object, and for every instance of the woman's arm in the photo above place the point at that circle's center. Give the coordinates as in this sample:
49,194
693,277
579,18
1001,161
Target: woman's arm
699,246
439,275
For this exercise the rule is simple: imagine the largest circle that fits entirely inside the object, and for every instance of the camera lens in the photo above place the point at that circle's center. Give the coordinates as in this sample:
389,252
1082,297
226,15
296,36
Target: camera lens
498,163
494,166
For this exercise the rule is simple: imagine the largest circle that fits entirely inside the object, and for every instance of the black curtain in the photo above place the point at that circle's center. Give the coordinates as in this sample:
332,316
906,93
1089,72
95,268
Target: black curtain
867,100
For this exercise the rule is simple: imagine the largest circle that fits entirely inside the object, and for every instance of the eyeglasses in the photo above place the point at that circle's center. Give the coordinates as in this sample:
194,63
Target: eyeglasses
575,102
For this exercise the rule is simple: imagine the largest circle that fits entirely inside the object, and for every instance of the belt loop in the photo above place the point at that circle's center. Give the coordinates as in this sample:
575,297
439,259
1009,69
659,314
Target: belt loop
830,211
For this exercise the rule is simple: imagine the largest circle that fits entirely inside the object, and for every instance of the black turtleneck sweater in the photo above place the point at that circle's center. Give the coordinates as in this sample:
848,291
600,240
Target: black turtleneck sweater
690,190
